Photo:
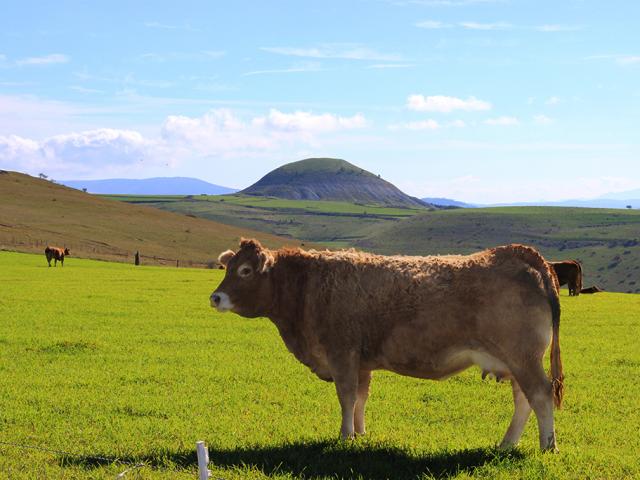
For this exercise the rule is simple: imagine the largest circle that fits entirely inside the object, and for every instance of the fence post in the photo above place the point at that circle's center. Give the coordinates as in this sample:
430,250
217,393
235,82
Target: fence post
203,461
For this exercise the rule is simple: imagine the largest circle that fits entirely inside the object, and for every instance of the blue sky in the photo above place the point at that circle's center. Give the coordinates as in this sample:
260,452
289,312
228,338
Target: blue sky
479,100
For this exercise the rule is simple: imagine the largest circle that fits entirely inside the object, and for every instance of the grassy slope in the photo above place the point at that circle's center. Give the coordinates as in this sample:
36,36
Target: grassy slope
607,242
34,213
336,224
132,364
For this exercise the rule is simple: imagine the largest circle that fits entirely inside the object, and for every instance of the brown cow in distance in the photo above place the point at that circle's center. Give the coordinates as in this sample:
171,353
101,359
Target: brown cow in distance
569,272
344,314
57,254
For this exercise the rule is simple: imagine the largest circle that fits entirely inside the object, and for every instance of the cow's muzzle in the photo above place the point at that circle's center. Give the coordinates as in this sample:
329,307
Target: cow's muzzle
220,301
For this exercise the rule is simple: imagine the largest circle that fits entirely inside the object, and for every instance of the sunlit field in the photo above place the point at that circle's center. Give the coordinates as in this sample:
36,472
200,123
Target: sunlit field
126,367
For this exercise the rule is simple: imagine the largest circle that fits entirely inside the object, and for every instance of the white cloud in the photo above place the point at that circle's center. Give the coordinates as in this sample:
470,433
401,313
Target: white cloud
486,26
217,134
44,60
441,103
306,121
542,120
347,51
502,121
553,101
80,153
433,24
419,125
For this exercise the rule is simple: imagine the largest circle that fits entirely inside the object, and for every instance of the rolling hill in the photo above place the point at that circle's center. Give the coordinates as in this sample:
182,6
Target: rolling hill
332,223
149,186
606,241
329,179
35,212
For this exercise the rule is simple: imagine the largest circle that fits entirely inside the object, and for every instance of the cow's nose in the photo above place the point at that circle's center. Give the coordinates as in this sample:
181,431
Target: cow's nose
215,298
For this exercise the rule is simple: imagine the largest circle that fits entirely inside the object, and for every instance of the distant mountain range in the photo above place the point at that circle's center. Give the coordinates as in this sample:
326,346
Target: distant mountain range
447,202
330,179
593,203
149,186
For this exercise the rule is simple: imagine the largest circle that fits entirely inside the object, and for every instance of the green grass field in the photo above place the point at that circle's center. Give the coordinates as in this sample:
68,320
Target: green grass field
132,365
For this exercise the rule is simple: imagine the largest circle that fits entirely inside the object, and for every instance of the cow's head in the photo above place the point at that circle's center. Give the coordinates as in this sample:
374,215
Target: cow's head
66,251
246,287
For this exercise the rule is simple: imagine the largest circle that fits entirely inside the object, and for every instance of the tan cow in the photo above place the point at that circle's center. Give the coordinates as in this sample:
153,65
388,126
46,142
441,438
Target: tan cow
345,314
569,273
57,254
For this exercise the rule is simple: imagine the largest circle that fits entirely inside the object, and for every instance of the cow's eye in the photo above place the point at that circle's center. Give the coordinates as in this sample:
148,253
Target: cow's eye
244,271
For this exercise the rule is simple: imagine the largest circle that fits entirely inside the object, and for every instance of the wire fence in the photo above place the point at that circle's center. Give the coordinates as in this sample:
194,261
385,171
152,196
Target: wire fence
87,458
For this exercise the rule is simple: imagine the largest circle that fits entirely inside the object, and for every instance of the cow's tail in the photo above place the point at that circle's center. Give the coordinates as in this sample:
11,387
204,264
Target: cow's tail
557,376
579,278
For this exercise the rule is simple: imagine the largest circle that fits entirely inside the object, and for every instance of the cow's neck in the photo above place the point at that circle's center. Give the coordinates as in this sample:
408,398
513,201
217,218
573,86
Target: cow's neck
287,310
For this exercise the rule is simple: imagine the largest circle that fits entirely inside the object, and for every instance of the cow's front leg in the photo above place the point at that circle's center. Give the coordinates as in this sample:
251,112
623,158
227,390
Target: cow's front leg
364,379
345,376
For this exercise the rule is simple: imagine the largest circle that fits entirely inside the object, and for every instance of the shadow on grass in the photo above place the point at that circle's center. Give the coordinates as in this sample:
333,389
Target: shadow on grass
322,459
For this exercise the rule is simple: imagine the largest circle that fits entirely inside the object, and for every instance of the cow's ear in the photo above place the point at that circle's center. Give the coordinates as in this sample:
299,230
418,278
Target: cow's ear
266,261
225,257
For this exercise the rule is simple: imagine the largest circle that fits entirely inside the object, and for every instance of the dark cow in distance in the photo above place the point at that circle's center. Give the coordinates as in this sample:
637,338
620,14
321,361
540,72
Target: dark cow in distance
569,272
344,314
592,289
57,254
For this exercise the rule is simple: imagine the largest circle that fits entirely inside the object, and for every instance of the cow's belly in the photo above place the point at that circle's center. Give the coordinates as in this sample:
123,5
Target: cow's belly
436,354
447,363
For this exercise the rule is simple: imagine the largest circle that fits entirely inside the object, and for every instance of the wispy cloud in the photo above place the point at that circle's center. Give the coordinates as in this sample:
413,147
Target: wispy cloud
486,26
44,60
84,90
620,59
166,26
433,24
557,28
472,25
542,120
553,101
444,104
446,3
392,65
181,56
346,51
304,67
502,121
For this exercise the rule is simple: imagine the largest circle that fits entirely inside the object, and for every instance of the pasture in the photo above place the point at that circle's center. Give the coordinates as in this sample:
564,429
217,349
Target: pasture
131,365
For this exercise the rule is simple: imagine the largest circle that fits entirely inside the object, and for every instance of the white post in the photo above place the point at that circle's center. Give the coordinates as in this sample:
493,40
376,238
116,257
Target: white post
203,461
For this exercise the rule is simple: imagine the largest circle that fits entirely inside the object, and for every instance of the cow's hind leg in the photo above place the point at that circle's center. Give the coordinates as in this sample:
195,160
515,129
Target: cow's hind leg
537,388
364,379
520,417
